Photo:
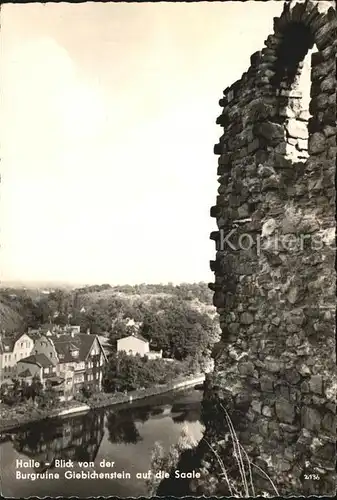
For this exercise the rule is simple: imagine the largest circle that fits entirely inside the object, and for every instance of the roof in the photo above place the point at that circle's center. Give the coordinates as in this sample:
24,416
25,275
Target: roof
65,343
140,337
7,343
10,342
25,373
37,359
34,334
135,336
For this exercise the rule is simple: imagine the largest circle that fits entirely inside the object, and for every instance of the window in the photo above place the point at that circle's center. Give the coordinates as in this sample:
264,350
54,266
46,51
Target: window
46,370
15,356
5,357
54,369
97,376
51,354
21,345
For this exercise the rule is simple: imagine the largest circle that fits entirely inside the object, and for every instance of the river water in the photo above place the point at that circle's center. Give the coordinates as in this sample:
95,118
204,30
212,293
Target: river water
124,435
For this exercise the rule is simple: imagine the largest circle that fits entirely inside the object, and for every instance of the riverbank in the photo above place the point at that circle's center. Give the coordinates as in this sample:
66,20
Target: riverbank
102,399
125,434
26,413
13,418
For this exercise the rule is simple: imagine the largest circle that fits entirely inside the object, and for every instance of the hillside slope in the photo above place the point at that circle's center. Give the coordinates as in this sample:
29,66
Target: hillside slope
96,307
10,320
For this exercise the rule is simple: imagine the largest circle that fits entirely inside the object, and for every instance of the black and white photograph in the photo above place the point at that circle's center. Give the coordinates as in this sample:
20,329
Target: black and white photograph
168,249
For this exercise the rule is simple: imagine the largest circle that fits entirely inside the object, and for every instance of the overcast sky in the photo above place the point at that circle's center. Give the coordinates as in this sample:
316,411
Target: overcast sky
107,131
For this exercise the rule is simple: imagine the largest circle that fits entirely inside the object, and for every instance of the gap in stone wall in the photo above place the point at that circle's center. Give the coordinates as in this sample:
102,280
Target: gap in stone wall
293,80
299,114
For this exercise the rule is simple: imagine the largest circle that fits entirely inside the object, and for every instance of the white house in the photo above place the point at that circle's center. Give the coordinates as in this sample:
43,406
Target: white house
12,349
136,344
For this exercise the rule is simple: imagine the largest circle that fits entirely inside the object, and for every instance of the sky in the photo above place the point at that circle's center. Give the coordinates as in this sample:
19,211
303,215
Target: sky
107,116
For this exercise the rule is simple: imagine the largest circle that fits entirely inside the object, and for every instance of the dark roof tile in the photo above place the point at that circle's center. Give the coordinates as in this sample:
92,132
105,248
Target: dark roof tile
25,373
64,344
37,359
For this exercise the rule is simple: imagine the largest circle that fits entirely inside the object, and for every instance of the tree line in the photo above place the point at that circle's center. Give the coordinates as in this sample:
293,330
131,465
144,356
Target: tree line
21,392
173,318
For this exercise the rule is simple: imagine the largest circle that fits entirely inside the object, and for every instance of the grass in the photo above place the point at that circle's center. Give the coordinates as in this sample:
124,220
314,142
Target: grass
245,469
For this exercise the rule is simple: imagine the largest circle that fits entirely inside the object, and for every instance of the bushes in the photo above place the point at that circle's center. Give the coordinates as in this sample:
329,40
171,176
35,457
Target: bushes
22,393
129,373
87,391
162,461
47,399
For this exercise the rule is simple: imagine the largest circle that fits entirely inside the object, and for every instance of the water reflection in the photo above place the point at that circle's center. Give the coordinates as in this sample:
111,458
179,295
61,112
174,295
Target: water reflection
77,438
125,435
186,412
122,429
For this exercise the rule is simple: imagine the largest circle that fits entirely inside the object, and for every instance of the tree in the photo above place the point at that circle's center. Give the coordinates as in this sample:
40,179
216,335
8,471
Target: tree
13,394
36,387
118,331
48,398
111,379
25,390
87,391
161,461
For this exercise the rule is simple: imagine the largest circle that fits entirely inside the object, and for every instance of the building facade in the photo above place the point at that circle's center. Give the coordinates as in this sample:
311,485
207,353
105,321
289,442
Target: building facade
78,358
136,344
133,344
12,350
36,365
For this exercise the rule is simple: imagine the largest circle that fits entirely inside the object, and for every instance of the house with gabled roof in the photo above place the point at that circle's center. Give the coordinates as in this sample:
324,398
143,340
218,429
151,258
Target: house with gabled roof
36,365
136,344
12,350
79,359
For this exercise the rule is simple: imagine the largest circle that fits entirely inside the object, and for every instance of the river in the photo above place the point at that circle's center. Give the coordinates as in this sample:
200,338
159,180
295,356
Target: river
124,435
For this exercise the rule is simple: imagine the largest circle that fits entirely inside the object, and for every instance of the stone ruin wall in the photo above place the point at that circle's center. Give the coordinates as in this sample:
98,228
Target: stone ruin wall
275,367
